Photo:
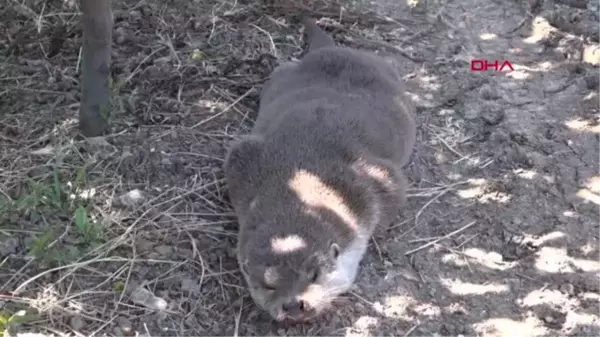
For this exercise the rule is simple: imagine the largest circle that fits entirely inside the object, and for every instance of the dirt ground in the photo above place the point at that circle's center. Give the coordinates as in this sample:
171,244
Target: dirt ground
132,234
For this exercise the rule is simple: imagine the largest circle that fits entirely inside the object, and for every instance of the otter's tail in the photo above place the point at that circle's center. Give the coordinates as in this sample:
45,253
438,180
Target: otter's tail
317,38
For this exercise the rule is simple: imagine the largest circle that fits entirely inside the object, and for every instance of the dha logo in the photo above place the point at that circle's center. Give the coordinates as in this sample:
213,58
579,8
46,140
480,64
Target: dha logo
485,65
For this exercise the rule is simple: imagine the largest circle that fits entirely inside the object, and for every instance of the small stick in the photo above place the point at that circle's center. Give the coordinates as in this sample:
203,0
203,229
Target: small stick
411,329
227,108
431,243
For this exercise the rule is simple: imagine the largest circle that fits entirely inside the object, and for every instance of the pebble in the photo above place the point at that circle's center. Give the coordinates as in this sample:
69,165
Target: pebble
164,250
489,93
144,297
471,112
190,285
9,246
446,112
136,15
124,325
118,332
120,35
432,292
567,288
76,323
493,115
132,198
142,245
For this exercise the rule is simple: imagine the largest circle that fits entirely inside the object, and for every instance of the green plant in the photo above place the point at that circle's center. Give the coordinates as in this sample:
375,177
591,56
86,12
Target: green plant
89,230
49,203
9,320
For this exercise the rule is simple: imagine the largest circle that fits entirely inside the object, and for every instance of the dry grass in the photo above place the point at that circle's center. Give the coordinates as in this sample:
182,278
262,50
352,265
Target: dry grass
130,232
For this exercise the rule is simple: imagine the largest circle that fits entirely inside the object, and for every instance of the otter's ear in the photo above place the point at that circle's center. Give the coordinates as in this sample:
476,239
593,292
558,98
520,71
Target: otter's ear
334,250
242,169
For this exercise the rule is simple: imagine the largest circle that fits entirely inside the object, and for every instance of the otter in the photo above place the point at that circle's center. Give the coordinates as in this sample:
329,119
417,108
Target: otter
319,172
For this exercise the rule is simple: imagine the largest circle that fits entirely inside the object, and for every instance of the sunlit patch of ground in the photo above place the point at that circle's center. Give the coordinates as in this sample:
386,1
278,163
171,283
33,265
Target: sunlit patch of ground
483,192
505,327
557,260
465,288
491,260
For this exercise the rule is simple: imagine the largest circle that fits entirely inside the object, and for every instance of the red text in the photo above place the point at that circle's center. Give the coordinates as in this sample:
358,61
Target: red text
485,65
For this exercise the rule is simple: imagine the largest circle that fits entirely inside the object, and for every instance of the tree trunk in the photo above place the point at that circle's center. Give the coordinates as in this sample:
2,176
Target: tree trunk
97,21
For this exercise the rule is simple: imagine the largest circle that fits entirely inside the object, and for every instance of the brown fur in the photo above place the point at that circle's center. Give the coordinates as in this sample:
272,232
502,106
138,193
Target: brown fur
322,165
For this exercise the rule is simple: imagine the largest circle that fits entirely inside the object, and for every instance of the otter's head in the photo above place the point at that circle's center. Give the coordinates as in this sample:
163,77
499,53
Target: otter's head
296,246
290,277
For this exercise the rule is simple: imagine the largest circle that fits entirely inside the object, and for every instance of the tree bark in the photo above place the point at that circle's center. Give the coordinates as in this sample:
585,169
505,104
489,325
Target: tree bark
97,22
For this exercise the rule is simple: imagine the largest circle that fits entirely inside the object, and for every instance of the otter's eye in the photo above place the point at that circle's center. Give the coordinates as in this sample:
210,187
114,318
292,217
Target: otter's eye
313,275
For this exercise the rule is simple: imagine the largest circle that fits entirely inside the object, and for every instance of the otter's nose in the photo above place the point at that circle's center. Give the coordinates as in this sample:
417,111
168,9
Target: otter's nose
295,307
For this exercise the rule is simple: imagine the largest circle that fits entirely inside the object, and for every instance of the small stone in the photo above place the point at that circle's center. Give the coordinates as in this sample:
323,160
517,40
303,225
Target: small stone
143,245
132,198
190,285
146,298
197,25
164,250
499,136
548,319
136,15
118,332
9,246
568,289
211,69
487,92
493,116
124,325
471,112
76,323
446,112
121,35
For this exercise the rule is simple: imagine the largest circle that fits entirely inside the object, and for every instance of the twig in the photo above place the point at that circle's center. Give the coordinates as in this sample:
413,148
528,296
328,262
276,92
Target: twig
273,47
227,108
411,329
431,243
528,17
460,155
439,195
